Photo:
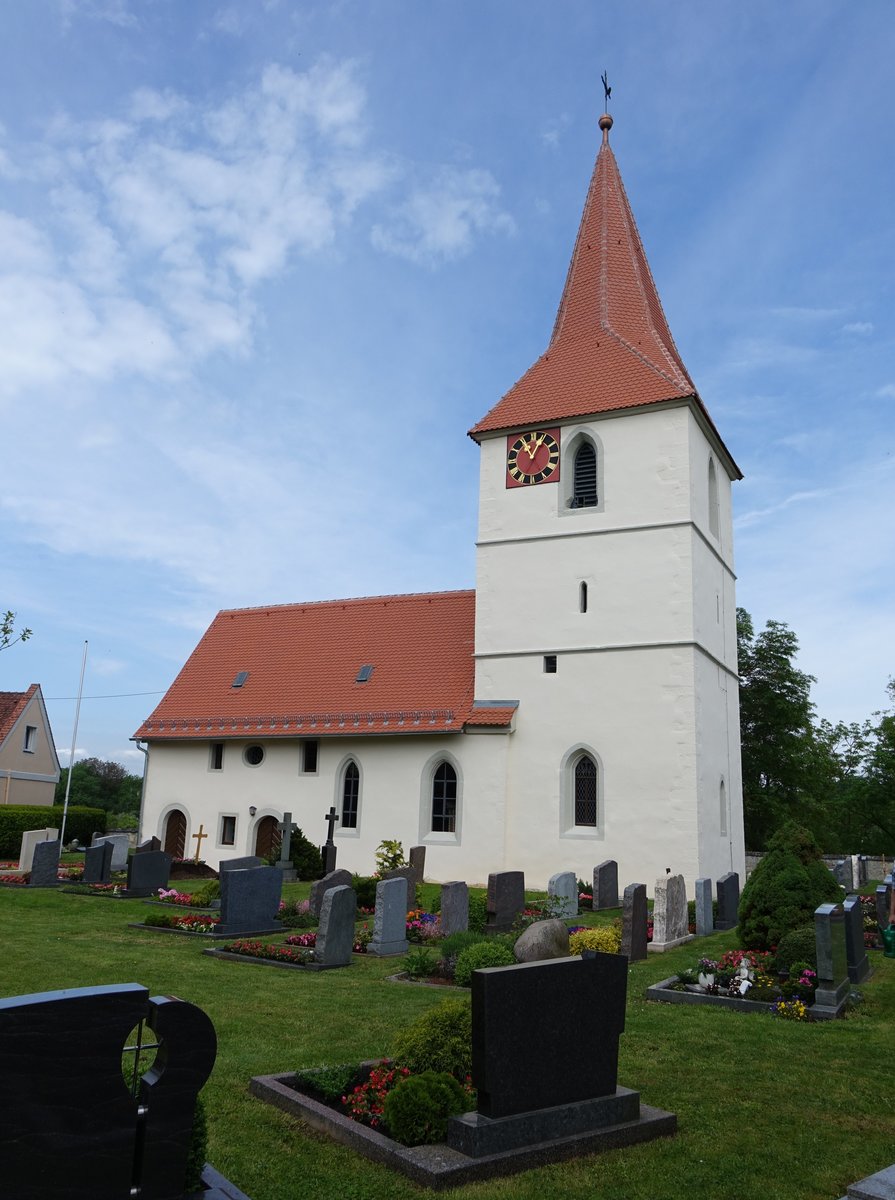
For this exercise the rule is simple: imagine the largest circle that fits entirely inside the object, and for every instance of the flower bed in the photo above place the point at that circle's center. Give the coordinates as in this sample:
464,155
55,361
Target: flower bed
742,980
201,923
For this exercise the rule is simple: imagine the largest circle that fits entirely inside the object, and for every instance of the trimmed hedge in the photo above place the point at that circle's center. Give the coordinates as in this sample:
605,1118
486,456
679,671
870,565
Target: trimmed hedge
16,819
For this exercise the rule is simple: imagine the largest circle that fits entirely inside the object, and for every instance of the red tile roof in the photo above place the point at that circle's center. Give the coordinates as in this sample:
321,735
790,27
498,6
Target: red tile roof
12,705
303,660
611,347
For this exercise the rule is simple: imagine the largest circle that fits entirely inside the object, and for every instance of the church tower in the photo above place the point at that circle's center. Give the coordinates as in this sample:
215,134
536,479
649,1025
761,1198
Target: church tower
605,587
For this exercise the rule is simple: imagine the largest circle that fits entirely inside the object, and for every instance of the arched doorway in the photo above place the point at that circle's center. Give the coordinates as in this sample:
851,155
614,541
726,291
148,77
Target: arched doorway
267,838
175,833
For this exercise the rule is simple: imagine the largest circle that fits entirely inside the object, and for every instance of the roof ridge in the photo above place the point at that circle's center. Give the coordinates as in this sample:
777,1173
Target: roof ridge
254,608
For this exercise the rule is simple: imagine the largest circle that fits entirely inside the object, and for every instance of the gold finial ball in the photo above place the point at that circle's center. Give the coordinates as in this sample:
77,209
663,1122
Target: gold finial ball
605,122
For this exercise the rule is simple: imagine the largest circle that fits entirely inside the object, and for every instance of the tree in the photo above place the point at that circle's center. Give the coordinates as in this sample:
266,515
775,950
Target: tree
101,784
8,635
784,763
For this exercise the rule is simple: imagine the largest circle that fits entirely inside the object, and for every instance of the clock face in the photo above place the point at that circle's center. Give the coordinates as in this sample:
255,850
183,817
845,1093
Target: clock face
533,457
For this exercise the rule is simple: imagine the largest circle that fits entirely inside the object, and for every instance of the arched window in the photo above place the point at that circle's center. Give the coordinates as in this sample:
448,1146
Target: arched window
444,799
350,795
586,791
714,521
584,490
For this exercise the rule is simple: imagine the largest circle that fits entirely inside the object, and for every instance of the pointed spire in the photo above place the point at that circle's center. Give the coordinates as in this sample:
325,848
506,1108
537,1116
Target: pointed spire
611,347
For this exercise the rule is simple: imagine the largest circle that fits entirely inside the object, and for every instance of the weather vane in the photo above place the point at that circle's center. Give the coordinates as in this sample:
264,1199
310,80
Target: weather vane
606,88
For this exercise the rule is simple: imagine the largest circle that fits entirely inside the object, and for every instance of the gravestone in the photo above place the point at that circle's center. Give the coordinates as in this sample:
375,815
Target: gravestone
147,872
562,889
241,864
728,901
883,900
605,894
705,921
409,875
80,1141
328,850
250,900
842,873
536,1081
417,858
670,918
634,922
97,864
858,965
320,887
832,961
152,843
287,827
335,934
45,865
506,900
30,839
390,919
120,843
454,916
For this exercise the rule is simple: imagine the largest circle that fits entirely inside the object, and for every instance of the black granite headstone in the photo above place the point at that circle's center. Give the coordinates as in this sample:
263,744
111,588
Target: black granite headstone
150,844
88,1140
250,900
328,855
605,893
45,865
506,900
524,1057
728,901
320,887
417,858
98,863
148,872
634,918
855,950
240,864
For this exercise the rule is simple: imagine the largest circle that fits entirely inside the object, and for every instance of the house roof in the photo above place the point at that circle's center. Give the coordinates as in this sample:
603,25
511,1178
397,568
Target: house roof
611,347
302,663
12,705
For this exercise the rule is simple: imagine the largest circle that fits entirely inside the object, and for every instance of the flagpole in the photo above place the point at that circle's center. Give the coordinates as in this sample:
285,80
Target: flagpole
74,742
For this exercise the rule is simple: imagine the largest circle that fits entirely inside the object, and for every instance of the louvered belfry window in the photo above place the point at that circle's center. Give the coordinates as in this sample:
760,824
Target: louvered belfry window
444,799
350,791
585,791
585,492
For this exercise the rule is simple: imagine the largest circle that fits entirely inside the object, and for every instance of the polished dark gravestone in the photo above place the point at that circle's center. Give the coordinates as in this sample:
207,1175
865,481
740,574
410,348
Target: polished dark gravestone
728,901
98,864
506,900
250,900
634,919
832,964
71,1128
147,872
855,951
45,865
605,889
241,864
320,887
149,845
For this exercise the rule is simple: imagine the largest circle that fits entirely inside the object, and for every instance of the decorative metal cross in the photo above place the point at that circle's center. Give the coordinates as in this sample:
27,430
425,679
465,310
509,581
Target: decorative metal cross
200,837
331,817
606,89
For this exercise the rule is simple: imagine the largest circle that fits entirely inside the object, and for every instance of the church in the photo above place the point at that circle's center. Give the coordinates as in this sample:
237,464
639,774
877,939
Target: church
580,704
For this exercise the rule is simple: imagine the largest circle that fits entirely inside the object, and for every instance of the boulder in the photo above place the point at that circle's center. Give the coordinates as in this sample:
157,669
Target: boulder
544,939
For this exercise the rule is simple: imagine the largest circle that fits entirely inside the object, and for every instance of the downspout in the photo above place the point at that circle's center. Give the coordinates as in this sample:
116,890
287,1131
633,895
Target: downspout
144,750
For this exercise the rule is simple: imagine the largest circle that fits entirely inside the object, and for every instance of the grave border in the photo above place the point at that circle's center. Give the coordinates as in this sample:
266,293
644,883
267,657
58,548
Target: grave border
663,993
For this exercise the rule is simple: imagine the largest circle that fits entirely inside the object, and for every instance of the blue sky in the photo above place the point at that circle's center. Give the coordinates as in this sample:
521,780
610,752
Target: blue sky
263,264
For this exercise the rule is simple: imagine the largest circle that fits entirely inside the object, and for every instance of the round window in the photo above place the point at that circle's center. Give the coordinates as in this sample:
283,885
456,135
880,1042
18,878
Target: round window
254,755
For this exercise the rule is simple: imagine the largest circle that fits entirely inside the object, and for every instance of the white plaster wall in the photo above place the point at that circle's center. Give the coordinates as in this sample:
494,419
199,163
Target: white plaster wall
721,841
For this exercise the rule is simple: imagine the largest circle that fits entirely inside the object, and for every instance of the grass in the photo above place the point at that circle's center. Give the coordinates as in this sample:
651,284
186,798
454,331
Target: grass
776,1110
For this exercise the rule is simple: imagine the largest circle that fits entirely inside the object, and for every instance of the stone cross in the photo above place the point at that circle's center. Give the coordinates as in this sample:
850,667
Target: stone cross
199,838
329,850
331,817
286,828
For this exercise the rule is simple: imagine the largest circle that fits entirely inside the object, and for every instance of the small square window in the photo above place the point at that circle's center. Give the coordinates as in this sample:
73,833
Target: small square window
309,757
550,664
30,739
217,756
228,831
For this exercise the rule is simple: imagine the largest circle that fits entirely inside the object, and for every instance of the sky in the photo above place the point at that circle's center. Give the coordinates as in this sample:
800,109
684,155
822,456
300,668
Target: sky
263,264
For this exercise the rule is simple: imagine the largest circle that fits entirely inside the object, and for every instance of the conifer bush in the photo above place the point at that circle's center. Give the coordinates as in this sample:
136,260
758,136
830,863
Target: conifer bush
797,946
785,888
483,954
438,1040
417,1109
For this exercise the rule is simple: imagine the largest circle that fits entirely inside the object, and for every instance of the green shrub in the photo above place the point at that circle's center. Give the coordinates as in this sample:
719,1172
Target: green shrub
389,855
483,954
329,1082
417,1109
605,938
797,946
203,895
365,890
159,920
785,888
478,913
305,857
459,941
81,823
438,1040
420,962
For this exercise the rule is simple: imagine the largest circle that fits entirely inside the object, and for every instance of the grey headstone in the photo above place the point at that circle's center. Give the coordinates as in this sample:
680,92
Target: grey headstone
562,888
335,934
45,864
634,918
670,913
454,908
390,919
832,960
320,887
246,863
855,951
506,899
98,864
543,940
120,843
705,921
250,900
883,901
417,857
728,901
328,855
605,885
148,872
30,839
842,873
149,845
408,874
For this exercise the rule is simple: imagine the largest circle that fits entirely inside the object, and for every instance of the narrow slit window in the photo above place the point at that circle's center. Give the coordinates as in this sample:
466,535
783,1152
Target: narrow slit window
228,831
30,742
582,597
309,757
584,494
217,756
550,664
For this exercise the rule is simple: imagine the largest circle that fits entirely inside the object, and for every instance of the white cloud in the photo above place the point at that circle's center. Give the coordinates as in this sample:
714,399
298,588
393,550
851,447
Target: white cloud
887,391
859,327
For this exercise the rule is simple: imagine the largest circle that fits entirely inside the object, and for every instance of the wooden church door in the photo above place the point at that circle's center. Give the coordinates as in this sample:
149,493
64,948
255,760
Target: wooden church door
175,834
267,838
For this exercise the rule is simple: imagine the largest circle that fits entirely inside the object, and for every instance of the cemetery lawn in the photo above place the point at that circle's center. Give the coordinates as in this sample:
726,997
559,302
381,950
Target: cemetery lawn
767,1109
